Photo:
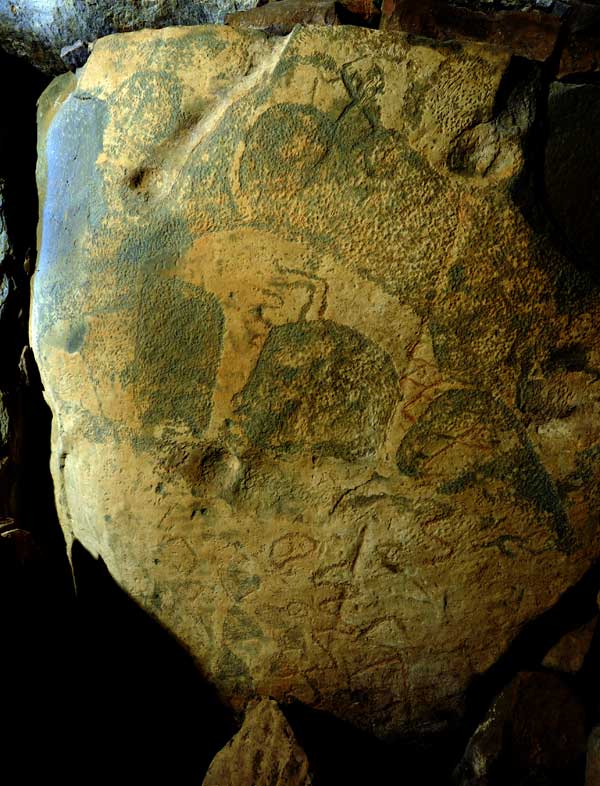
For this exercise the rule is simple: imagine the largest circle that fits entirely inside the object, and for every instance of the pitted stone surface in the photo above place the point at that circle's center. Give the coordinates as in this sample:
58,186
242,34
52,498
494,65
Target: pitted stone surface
263,753
323,400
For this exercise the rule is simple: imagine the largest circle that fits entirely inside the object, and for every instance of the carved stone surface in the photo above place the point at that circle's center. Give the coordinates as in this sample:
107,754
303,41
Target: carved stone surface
263,753
324,401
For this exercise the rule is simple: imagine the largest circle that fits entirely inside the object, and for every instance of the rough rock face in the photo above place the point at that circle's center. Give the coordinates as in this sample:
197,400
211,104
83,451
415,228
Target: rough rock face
279,18
568,654
592,770
530,33
39,29
4,243
564,32
580,53
6,475
263,753
324,401
533,734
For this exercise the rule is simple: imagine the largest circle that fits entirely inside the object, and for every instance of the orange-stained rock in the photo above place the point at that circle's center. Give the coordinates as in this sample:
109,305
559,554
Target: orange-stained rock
324,401
527,33
279,18
263,753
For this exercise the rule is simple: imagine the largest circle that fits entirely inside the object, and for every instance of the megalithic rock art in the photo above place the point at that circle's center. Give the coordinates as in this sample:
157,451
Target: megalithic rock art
325,402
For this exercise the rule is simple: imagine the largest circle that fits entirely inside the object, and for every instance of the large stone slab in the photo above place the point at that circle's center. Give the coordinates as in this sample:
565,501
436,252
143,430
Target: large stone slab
324,401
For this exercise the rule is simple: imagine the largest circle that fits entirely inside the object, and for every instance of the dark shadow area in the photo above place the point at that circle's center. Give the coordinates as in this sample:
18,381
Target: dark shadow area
140,709
27,495
339,753
572,169
348,17
558,192
108,698
575,607
21,86
36,611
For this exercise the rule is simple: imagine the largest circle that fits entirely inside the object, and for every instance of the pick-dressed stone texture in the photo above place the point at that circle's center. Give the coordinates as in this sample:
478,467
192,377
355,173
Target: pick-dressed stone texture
324,401
263,753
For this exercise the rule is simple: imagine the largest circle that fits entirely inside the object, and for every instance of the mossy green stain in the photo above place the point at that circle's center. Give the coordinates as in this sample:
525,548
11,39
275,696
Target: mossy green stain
518,466
156,245
238,626
337,401
232,668
177,352
146,109
76,337
285,147
456,278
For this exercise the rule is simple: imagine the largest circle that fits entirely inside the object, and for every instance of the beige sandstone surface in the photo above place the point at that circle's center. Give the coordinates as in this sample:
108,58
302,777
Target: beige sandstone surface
263,753
324,401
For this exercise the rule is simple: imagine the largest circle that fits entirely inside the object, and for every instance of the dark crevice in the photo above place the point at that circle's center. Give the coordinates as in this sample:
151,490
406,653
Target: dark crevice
583,78
553,63
575,607
138,697
577,280
29,498
339,753
35,579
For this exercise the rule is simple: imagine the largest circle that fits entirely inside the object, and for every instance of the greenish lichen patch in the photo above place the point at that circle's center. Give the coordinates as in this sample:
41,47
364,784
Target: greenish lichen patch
177,352
497,450
320,385
76,337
